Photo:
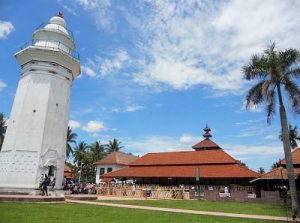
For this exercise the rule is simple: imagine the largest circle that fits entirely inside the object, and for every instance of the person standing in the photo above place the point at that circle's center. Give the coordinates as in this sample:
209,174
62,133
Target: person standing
45,185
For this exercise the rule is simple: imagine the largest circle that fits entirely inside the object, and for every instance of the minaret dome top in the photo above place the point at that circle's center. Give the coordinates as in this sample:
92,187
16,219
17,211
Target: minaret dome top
58,20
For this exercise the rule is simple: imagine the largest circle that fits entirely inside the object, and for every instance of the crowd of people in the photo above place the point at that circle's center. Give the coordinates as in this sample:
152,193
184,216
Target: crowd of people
74,186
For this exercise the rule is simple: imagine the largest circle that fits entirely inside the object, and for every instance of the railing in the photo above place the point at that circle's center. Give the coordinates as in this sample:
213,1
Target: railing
52,45
162,192
58,27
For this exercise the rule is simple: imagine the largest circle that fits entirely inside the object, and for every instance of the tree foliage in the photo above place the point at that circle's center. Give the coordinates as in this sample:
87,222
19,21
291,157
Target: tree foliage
71,139
113,146
294,137
261,170
86,155
2,129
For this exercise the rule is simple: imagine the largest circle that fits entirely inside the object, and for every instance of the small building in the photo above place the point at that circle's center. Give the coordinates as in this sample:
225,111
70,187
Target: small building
112,162
277,178
208,164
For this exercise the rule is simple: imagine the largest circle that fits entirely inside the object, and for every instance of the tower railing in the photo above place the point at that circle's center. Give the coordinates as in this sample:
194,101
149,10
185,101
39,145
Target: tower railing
57,27
50,45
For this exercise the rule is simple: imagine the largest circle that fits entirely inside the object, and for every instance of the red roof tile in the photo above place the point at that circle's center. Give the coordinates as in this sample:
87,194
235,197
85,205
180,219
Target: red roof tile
206,144
185,158
276,174
67,168
68,172
206,171
295,157
117,158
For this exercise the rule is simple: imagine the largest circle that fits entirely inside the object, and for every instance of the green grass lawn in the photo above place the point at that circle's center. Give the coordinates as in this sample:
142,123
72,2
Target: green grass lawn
17,212
221,206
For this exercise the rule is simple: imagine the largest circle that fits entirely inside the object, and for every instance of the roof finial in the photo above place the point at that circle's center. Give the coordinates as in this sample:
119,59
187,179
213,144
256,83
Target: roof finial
207,134
59,14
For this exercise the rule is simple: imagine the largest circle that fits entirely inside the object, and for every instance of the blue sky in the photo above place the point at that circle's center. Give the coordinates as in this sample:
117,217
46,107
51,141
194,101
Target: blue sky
155,72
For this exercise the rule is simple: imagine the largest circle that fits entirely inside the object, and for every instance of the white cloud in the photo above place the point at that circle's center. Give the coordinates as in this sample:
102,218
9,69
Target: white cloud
188,139
88,71
133,108
100,11
108,66
2,85
154,144
128,108
5,29
254,150
74,124
70,10
180,44
93,126
102,66
189,43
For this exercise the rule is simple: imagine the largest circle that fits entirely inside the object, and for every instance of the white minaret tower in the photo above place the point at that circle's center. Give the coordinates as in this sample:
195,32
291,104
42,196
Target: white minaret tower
35,141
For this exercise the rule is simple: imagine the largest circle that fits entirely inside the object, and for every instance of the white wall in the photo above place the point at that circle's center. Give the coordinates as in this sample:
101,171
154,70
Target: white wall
113,166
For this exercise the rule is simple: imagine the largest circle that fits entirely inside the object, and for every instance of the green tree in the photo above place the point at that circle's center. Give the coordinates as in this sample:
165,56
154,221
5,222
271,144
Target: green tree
97,150
242,163
261,170
293,136
80,153
275,72
113,146
274,166
2,129
71,139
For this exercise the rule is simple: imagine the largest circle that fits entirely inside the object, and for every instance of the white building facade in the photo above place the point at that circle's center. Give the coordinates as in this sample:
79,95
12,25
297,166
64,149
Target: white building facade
35,140
106,168
113,162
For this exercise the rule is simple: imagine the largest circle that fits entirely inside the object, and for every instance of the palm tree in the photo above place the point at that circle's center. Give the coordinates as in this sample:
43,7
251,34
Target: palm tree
71,138
2,129
275,71
293,136
113,146
274,166
81,159
261,170
97,150
80,153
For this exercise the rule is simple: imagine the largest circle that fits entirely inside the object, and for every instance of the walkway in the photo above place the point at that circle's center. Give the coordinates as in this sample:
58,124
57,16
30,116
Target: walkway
183,211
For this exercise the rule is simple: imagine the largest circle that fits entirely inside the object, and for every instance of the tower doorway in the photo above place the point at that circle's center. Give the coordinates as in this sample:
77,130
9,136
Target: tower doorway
51,171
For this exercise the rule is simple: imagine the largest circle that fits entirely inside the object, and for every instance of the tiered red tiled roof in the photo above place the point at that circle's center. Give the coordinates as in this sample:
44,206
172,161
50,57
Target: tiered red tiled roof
281,173
206,171
206,144
217,156
117,158
295,157
277,174
212,161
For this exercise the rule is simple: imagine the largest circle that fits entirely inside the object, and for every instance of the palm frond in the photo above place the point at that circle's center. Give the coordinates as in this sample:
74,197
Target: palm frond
293,72
255,69
254,95
288,58
293,92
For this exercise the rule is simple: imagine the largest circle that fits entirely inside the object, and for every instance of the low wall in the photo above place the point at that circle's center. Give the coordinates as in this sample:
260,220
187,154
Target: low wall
213,194
243,196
